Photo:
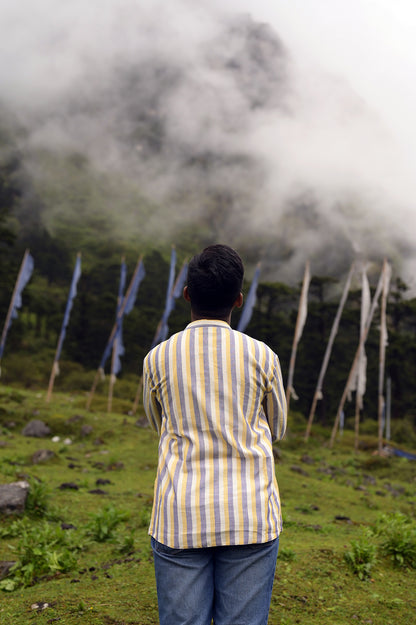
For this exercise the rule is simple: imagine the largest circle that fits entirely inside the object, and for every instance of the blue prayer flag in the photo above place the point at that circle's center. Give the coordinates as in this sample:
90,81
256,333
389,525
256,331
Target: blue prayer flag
180,281
176,292
122,284
249,305
119,345
72,293
23,278
137,278
173,291
125,308
119,350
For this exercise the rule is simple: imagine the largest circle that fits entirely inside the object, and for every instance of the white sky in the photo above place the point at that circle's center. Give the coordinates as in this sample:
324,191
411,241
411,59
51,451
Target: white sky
370,43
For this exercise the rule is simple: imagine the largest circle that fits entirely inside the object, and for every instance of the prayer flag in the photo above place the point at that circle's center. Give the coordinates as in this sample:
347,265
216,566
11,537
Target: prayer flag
386,287
356,357
132,295
118,344
341,421
122,284
72,293
249,305
300,322
172,293
382,349
23,278
176,292
303,305
334,330
125,308
359,381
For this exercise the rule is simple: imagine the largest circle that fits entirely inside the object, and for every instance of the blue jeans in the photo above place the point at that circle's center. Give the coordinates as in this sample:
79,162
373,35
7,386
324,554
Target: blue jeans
231,585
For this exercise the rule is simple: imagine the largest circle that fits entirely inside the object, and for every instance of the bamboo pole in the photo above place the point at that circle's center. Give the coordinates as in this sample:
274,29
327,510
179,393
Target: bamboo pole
324,366
362,363
169,296
113,357
363,338
54,373
55,366
100,371
99,374
300,320
110,392
112,378
388,409
382,353
138,394
357,414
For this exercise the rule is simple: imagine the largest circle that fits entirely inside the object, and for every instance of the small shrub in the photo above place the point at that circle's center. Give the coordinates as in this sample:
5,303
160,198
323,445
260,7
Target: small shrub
102,524
362,556
42,550
144,516
398,538
15,528
37,501
403,431
125,543
287,554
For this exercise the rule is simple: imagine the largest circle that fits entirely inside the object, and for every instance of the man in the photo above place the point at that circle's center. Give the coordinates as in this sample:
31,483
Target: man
216,398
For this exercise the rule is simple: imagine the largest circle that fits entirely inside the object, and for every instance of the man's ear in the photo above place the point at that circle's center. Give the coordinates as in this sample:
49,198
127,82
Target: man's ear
186,294
239,301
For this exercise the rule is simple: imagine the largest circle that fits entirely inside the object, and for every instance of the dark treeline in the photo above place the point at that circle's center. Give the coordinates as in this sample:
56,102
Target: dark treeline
33,335
32,338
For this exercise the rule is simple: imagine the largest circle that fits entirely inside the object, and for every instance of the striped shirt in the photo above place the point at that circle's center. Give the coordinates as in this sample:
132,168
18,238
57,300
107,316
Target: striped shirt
216,398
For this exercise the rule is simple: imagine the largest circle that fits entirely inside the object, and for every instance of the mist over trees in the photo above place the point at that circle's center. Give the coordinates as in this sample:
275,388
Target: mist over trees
140,176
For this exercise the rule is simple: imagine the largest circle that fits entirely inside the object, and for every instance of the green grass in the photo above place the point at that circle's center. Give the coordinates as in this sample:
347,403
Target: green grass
335,503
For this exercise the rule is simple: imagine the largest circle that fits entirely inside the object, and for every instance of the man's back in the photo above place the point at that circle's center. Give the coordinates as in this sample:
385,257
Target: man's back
216,397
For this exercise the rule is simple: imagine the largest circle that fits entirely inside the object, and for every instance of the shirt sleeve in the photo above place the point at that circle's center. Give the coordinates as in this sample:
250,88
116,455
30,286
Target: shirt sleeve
151,404
274,402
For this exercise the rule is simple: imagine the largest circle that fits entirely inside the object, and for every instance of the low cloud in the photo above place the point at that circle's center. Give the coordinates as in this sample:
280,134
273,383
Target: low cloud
197,108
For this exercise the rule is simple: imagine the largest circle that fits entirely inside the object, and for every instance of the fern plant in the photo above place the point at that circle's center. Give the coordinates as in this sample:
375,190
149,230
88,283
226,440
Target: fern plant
398,538
362,556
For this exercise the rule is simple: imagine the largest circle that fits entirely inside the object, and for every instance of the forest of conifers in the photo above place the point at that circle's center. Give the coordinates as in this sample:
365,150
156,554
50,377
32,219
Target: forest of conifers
32,338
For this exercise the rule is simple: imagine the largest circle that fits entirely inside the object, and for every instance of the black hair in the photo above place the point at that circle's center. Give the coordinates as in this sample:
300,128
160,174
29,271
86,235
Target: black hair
215,279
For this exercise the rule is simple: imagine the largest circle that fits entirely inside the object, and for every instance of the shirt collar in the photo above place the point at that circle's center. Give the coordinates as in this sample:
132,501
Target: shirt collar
205,323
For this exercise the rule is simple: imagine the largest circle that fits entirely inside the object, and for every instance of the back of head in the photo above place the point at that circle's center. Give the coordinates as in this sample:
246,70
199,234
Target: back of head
215,279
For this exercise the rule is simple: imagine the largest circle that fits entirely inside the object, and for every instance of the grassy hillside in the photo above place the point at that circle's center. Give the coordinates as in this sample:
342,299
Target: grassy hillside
98,485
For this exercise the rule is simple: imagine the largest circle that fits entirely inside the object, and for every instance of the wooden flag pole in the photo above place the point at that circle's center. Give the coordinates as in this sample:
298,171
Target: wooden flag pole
382,355
361,356
120,314
54,373
112,377
99,374
11,305
55,366
355,361
140,385
110,392
388,408
324,366
113,360
298,329
138,394
357,411
168,295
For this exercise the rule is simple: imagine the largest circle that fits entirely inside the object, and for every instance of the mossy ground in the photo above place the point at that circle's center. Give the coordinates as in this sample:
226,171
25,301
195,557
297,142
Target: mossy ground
328,495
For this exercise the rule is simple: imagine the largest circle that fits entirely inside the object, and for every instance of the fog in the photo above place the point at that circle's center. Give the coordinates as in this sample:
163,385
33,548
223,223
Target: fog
310,131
